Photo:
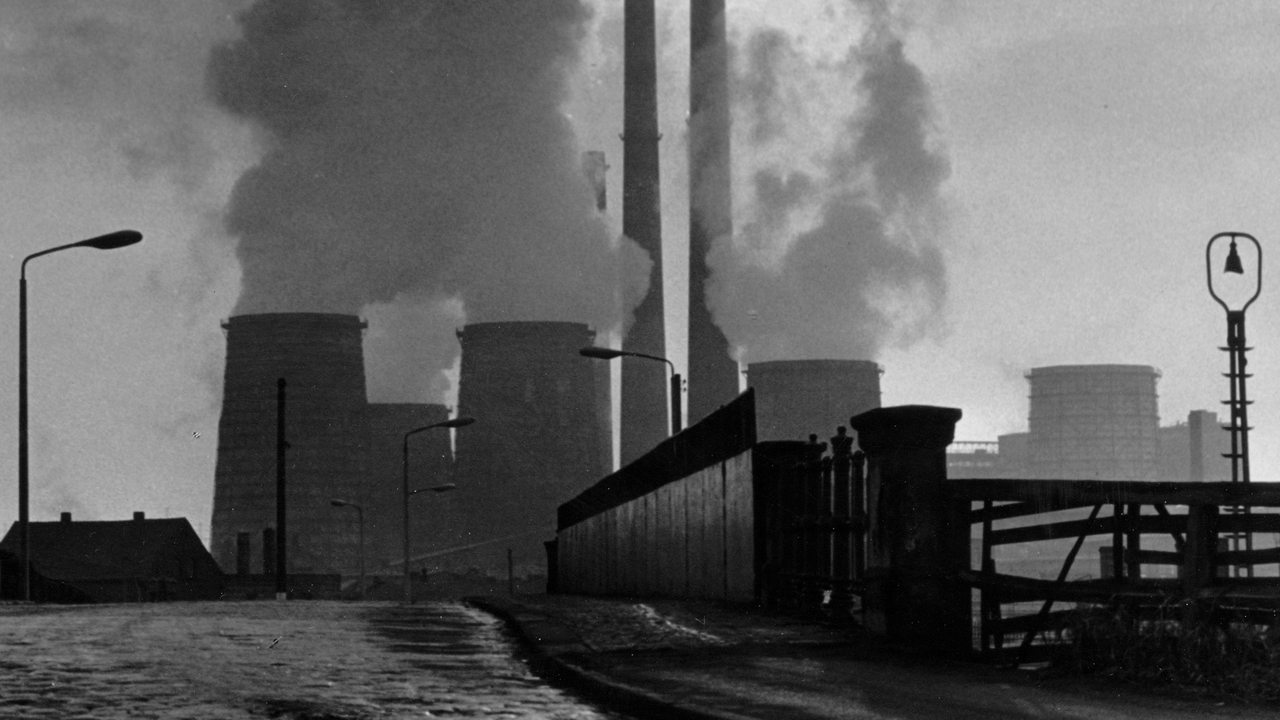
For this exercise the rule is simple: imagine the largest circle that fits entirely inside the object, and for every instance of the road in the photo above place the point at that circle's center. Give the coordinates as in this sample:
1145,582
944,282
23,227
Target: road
296,660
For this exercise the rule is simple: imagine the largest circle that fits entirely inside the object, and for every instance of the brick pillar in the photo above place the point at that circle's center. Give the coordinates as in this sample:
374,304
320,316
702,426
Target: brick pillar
918,539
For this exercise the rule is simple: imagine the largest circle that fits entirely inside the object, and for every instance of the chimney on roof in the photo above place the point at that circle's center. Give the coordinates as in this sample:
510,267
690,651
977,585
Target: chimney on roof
139,515
66,517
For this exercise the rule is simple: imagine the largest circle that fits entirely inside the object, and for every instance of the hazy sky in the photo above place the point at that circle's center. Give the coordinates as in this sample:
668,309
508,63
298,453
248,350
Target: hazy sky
1087,151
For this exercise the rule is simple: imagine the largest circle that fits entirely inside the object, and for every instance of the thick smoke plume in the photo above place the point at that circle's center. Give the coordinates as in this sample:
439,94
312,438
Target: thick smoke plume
836,250
416,152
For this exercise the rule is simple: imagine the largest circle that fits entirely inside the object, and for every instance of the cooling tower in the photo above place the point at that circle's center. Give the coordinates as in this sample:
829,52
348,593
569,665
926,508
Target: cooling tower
320,357
1094,422
645,384
430,465
795,398
712,372
536,439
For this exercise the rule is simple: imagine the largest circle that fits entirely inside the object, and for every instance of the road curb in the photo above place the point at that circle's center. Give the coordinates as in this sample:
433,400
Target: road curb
546,641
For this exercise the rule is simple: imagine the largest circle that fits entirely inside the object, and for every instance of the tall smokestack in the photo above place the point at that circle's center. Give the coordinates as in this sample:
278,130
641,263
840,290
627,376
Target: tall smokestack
644,383
712,373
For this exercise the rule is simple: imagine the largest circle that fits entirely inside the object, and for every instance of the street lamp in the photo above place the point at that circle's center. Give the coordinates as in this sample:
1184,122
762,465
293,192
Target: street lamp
110,241
1235,349
360,515
602,353
454,423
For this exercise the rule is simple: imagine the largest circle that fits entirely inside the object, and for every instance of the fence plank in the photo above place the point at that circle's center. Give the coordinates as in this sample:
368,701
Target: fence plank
1059,494
1249,557
1073,528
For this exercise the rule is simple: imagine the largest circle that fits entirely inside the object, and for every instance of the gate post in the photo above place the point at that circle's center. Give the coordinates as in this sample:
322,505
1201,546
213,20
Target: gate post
918,538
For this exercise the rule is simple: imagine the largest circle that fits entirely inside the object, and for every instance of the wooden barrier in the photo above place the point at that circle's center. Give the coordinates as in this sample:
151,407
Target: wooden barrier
1214,580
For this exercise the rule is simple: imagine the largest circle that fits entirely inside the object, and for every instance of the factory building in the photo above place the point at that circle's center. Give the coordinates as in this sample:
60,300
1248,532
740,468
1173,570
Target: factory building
1098,422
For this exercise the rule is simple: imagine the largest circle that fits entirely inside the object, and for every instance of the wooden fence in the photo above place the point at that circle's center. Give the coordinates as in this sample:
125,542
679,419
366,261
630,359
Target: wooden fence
1215,534
882,532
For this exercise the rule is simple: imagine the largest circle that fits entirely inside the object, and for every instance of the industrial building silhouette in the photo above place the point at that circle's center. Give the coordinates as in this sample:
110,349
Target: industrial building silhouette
541,437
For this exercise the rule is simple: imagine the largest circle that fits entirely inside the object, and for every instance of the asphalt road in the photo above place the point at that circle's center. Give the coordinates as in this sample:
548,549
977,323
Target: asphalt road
300,660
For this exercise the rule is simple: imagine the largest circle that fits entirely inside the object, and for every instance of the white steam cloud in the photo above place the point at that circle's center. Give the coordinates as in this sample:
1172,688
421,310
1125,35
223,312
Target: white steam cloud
417,155
835,253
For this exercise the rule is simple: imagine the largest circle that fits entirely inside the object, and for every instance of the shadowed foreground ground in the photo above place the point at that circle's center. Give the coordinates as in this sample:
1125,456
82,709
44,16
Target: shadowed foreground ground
713,661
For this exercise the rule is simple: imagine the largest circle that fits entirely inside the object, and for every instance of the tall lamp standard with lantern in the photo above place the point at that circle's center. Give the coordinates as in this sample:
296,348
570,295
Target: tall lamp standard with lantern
454,423
1236,347
110,241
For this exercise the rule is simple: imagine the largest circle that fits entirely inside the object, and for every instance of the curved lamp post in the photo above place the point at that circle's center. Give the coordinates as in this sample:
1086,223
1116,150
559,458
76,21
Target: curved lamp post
454,423
360,515
1235,349
110,241
602,353
1238,374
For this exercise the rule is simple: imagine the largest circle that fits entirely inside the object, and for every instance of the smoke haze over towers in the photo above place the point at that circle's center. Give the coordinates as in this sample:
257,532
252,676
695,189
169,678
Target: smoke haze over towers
414,153
837,216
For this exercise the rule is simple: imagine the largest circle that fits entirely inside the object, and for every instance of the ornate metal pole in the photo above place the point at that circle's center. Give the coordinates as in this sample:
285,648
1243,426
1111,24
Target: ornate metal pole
1237,374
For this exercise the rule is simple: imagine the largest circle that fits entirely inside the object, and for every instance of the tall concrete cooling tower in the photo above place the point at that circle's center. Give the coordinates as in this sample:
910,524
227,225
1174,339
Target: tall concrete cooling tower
796,398
645,386
536,440
320,357
713,373
1094,422
430,465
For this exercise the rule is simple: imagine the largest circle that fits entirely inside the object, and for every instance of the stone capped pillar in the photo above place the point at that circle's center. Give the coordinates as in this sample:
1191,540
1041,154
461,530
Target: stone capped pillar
917,538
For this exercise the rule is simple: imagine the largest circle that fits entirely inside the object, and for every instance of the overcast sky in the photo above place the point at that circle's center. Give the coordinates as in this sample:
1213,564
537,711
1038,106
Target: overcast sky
1090,150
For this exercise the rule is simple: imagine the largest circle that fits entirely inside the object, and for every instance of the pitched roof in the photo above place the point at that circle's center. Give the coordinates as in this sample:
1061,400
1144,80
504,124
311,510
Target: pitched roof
110,549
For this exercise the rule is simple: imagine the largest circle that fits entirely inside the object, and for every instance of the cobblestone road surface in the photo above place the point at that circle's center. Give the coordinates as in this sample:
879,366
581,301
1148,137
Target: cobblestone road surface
292,660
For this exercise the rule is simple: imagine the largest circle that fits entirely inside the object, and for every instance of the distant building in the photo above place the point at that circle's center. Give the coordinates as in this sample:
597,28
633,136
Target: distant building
1099,422
1093,422
118,560
1200,435
973,460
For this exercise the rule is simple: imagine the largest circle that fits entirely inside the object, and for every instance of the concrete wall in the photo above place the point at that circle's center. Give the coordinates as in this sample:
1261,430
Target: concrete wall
693,537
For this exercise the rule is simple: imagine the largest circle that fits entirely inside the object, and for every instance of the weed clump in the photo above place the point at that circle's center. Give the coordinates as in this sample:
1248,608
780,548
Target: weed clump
1206,654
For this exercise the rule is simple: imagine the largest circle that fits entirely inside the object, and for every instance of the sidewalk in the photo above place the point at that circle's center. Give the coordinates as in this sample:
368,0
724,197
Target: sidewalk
668,659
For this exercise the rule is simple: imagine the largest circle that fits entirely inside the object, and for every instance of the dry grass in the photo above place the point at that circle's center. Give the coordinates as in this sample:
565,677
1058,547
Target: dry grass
1232,660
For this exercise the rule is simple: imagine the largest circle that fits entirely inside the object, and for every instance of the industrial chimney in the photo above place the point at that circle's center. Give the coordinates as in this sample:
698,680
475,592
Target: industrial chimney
712,373
644,383
320,355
